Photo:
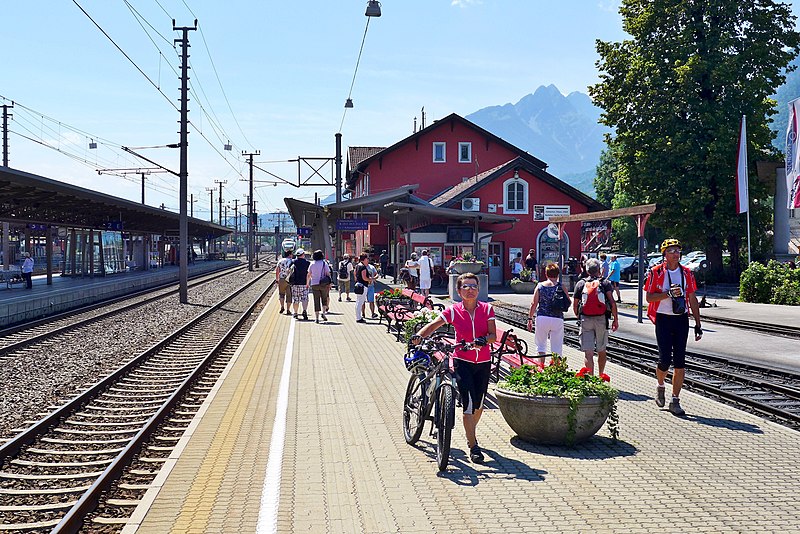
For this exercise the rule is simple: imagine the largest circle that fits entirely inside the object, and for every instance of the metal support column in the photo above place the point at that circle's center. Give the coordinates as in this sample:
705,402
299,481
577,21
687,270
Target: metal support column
48,244
641,221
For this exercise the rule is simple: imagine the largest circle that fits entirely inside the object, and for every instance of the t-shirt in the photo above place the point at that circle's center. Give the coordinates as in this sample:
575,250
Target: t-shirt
412,267
300,274
283,267
614,271
516,267
318,270
469,327
655,283
605,267
425,267
361,268
530,263
547,306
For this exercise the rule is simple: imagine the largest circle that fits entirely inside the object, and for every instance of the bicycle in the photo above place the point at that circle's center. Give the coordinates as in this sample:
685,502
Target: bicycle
439,277
431,388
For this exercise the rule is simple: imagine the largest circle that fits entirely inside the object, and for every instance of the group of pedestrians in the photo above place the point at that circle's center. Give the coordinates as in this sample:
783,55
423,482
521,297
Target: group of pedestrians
297,277
670,292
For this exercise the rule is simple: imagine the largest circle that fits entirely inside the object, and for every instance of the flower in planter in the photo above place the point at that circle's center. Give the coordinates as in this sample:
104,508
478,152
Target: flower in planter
557,380
468,257
419,319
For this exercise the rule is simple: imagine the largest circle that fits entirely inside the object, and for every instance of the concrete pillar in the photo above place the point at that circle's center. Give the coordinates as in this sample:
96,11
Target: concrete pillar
72,245
781,236
91,252
6,245
48,243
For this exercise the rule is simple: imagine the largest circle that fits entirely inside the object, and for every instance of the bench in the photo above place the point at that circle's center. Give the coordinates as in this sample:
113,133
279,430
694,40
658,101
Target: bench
11,277
510,349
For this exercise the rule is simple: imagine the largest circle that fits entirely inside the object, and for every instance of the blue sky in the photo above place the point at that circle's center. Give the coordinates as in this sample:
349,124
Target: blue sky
286,70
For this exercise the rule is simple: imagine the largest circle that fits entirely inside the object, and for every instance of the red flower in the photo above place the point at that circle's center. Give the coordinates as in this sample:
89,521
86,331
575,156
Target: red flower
583,372
605,378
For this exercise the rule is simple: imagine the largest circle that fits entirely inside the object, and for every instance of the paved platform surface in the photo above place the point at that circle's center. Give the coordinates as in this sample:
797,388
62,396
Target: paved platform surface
345,467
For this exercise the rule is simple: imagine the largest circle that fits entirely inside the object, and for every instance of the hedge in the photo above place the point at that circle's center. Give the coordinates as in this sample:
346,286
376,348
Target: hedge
774,283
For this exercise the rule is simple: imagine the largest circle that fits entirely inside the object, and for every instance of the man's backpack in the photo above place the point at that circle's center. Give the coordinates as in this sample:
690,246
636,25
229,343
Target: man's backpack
593,299
343,270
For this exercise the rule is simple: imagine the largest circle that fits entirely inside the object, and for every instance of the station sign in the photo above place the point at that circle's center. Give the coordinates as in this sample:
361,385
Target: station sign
303,231
115,226
544,212
351,225
37,227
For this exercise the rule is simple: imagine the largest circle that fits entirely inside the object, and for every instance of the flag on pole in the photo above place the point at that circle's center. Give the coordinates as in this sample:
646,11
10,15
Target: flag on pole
742,200
792,162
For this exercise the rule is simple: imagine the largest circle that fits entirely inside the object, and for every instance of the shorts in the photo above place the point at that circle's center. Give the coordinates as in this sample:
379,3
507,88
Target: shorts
593,330
672,331
284,290
371,293
300,293
473,382
614,284
424,283
344,286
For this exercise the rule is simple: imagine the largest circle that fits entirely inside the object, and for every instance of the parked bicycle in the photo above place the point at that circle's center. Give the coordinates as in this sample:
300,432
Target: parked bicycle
439,277
432,389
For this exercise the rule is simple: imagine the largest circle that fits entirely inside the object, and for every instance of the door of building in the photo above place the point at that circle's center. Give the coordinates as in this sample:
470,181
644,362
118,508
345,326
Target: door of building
495,257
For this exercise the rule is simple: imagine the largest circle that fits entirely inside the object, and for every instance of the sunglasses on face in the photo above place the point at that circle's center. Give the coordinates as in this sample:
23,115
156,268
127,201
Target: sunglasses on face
469,286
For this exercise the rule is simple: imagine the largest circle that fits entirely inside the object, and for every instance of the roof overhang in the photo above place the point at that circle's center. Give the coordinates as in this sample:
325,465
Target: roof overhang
28,198
398,208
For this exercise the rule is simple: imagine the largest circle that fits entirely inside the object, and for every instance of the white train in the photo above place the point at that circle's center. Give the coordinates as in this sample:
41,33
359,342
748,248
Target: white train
288,244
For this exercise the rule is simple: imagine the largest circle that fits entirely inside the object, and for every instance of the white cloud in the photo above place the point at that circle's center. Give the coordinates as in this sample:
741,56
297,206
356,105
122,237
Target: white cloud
465,3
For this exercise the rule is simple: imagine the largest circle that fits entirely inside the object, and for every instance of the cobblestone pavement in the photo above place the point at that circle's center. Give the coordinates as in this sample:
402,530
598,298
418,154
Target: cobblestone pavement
347,468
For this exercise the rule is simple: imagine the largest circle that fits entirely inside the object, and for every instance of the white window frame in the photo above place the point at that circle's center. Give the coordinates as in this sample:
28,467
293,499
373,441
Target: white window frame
469,152
525,188
444,152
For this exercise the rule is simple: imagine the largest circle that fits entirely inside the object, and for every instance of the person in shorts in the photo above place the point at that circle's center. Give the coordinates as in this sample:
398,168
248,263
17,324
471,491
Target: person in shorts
300,284
284,288
592,316
344,270
614,275
473,322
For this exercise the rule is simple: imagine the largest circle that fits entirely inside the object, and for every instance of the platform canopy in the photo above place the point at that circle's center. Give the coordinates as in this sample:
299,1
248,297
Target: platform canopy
30,199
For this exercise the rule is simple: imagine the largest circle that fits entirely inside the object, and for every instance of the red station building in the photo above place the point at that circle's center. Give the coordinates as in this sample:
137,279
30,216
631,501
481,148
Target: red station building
459,165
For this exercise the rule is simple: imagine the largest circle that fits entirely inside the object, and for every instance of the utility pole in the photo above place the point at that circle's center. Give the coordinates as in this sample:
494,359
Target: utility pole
184,171
236,225
251,213
221,183
256,246
211,217
6,116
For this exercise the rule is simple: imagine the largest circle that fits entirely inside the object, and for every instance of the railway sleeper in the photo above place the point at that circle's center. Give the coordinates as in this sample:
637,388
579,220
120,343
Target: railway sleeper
152,460
71,476
39,525
93,432
37,507
51,491
62,452
84,441
134,487
103,520
147,414
94,463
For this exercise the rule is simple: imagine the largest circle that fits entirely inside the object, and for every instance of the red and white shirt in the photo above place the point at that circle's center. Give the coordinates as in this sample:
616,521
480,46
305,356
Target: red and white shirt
469,327
657,283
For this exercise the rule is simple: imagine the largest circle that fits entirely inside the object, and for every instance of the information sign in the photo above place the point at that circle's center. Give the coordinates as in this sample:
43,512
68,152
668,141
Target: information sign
303,231
351,225
114,226
544,212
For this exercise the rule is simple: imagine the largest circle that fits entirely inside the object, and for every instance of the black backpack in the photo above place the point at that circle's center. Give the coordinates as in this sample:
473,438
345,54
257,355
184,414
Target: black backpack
343,270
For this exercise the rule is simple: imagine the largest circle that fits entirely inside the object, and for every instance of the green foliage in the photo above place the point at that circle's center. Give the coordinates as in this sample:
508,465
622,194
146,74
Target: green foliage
774,283
675,93
420,319
525,275
557,380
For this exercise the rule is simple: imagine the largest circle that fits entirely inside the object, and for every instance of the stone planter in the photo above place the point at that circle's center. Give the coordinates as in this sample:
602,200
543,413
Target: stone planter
523,287
468,267
543,420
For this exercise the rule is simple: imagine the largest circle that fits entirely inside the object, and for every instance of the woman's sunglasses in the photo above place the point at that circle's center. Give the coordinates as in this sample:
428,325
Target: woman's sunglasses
469,286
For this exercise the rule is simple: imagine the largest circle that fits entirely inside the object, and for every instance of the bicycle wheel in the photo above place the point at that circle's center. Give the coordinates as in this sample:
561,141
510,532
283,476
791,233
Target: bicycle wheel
445,420
414,408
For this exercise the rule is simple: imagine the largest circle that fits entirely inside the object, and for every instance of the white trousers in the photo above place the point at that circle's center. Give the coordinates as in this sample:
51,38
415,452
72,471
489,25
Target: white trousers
549,327
360,300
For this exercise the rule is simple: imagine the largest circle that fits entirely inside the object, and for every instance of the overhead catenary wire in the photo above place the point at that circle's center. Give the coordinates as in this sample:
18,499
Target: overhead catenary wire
352,84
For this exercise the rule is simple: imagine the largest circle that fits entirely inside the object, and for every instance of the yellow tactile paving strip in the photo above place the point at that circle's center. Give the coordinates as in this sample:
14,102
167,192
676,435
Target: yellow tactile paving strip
346,468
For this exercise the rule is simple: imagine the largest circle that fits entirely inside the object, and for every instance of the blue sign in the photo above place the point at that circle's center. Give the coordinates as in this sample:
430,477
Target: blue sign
114,225
303,231
351,225
37,227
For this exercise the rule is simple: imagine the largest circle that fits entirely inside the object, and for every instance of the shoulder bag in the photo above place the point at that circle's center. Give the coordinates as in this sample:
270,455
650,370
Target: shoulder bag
326,280
560,299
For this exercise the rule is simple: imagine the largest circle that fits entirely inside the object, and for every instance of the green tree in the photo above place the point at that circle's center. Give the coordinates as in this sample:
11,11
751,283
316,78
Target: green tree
675,94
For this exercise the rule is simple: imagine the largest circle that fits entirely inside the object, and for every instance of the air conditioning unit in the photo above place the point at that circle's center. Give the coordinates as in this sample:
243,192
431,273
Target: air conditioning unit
471,204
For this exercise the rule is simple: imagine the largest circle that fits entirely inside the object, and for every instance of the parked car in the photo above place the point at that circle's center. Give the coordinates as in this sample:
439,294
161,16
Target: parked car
696,263
629,267
654,259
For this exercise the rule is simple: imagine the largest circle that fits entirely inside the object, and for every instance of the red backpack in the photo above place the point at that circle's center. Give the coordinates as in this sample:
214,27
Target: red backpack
593,300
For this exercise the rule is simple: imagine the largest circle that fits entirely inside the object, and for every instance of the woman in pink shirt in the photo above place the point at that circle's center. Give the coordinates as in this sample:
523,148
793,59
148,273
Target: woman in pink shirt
473,322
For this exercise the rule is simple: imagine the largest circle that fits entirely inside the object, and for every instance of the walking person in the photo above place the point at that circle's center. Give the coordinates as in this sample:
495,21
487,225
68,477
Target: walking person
343,276
668,288
373,275
614,272
284,288
605,265
425,273
363,278
530,264
473,322
549,318
384,261
516,265
590,302
319,279
27,270
299,281
413,271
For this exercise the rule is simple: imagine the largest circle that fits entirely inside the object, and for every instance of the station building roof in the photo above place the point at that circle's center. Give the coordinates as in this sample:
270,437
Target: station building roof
29,198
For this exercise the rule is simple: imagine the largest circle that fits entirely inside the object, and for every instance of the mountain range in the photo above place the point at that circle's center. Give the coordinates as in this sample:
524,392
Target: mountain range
560,130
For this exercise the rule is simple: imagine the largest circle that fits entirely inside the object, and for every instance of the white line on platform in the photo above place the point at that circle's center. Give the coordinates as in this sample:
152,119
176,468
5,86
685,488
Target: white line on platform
271,493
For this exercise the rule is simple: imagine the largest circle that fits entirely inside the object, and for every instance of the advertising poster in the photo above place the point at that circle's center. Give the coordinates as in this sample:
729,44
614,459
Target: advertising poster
595,235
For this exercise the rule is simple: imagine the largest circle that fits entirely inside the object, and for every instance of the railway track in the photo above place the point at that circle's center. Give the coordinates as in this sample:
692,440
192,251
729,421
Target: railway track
770,393
17,337
54,472
773,330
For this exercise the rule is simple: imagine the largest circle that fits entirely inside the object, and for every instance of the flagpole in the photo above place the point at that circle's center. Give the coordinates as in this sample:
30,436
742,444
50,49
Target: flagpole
748,230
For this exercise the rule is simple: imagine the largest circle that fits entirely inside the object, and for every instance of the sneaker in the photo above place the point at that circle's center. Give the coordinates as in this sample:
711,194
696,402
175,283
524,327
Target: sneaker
281,310
476,455
324,318
675,407
361,321
316,320
348,298
661,398
374,315
294,315
305,316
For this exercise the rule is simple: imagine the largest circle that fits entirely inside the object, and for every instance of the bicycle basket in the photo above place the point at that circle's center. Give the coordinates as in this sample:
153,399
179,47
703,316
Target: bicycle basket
416,358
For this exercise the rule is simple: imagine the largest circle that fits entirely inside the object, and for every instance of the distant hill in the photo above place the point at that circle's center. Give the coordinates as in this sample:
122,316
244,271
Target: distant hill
560,130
